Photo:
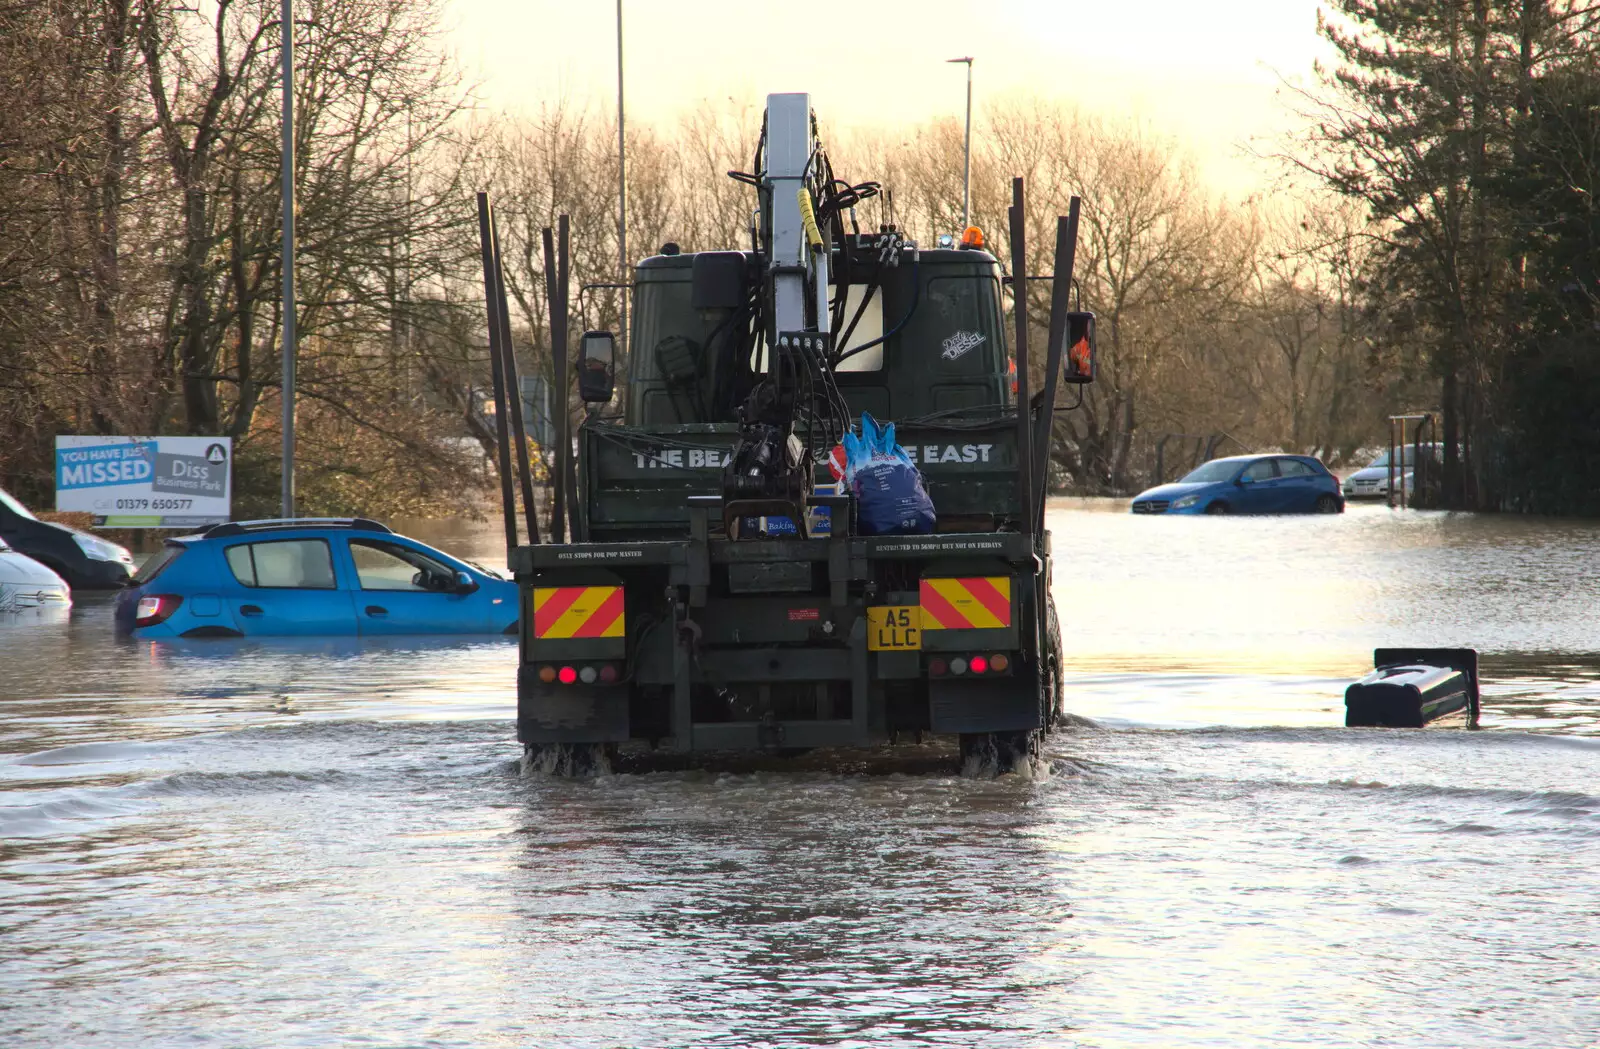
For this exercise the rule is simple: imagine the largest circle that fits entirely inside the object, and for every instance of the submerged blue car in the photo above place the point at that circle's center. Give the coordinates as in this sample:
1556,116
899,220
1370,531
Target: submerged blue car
1248,484
311,577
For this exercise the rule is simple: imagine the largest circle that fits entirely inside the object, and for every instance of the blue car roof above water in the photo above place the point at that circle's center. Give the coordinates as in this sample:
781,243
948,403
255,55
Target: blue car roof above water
1262,455
229,528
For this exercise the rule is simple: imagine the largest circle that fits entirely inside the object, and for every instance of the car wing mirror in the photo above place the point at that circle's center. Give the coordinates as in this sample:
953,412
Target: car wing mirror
465,584
597,355
1077,360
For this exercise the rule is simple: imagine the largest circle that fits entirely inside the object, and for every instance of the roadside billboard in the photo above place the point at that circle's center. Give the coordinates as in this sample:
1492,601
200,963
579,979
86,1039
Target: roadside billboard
146,482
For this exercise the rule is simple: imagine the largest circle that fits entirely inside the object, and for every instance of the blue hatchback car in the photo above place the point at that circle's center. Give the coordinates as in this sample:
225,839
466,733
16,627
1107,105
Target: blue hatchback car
311,577
1247,484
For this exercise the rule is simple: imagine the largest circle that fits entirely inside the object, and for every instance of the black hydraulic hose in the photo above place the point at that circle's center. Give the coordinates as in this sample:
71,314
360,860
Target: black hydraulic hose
872,287
916,298
841,281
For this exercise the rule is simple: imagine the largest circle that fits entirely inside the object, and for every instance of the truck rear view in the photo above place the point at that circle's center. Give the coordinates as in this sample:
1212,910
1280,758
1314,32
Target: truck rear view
718,593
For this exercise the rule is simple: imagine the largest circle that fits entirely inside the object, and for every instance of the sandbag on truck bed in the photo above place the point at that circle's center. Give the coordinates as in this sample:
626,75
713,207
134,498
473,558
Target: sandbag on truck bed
890,496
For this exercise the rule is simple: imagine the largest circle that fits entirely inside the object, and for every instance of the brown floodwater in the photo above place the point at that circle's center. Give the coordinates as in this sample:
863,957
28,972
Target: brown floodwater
315,843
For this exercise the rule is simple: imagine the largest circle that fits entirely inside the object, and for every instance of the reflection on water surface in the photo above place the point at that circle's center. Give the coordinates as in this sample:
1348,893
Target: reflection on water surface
320,843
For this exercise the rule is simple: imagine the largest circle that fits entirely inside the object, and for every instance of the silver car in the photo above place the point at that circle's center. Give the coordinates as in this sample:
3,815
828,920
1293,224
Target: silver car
1372,480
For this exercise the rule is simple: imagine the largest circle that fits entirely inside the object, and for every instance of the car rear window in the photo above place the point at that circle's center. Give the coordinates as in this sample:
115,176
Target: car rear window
295,563
157,563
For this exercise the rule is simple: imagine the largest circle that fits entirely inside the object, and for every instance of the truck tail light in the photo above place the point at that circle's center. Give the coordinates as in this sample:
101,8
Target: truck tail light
155,609
604,674
976,663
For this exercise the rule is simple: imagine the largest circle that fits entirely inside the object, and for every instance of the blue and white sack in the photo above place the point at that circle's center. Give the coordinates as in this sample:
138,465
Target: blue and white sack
890,496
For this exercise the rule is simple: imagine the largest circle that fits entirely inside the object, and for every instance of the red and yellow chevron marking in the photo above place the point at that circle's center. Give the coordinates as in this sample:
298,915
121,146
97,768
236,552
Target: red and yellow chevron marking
577,611
981,603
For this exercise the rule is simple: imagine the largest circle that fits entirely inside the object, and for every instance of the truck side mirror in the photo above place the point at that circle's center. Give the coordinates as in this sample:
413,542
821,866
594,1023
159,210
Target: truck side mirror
597,354
1077,363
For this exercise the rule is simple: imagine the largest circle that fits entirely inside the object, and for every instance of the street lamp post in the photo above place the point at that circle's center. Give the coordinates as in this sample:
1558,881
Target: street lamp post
966,165
622,191
287,54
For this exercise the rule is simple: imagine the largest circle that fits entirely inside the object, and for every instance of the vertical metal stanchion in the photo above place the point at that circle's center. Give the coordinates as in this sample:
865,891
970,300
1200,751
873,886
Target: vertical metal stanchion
569,478
1060,289
1019,288
508,503
513,382
557,274
1389,499
1401,468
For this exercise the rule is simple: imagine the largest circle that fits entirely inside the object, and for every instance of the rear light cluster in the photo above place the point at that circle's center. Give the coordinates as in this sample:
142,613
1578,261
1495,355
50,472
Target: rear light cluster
579,673
962,666
155,608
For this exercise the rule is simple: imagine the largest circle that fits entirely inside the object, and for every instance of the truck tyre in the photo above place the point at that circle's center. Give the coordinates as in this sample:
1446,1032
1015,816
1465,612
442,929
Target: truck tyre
1054,691
986,754
568,760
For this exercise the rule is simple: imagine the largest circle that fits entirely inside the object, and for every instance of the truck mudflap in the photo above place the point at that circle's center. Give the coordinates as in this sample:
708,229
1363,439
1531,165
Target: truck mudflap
986,705
557,713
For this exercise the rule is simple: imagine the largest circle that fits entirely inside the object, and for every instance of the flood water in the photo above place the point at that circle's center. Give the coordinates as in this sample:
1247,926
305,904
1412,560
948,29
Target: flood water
331,844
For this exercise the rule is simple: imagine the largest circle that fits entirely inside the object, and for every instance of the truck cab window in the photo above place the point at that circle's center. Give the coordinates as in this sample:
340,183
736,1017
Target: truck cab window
868,329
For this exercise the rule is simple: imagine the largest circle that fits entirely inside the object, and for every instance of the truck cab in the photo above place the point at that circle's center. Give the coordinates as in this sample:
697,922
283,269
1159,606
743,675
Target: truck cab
928,354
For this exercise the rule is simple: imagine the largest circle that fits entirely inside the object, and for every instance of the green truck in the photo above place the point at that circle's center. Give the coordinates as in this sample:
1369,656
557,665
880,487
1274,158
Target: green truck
696,609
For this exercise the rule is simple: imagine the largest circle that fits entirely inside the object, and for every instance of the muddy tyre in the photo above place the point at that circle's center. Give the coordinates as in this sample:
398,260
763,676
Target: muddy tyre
568,760
1054,698
988,754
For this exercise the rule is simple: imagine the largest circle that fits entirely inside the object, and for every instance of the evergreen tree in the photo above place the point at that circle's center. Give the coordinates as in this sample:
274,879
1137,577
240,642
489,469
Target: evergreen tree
1416,127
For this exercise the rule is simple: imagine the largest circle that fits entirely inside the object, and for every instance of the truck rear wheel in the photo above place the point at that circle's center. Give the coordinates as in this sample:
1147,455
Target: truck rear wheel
568,760
1055,692
985,754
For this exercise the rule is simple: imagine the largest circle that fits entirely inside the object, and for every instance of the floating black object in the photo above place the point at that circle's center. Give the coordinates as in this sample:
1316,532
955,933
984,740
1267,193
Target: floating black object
1413,686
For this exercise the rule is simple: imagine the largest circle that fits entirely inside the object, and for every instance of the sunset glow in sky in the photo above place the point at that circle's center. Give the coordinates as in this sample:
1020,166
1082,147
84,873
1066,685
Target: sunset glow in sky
1206,73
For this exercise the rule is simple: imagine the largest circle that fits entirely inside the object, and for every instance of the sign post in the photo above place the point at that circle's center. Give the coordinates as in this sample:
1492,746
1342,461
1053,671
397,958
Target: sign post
146,482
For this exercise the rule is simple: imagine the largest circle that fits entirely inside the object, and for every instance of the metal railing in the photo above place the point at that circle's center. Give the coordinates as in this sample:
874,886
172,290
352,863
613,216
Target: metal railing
1422,466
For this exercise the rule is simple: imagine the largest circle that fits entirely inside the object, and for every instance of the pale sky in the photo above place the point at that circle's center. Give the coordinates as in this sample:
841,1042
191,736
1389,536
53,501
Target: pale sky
1205,71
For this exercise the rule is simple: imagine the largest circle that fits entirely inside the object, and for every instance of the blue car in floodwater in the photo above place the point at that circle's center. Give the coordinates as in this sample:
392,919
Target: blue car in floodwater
1248,484
311,577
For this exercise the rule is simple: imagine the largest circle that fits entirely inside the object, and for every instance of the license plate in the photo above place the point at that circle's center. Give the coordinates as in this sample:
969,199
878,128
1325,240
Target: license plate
894,628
